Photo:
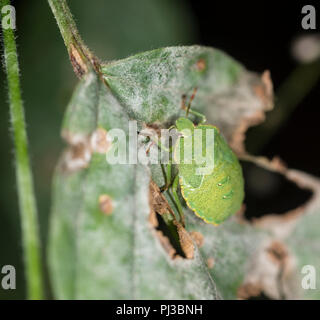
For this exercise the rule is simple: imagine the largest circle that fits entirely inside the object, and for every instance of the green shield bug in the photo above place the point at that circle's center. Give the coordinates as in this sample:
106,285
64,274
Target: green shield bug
213,189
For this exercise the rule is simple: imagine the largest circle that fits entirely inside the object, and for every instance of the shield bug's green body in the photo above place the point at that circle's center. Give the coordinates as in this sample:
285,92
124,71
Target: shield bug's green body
214,188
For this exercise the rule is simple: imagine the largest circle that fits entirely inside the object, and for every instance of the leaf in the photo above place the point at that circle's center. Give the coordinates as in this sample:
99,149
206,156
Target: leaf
304,243
227,250
150,85
95,254
113,235
102,243
275,247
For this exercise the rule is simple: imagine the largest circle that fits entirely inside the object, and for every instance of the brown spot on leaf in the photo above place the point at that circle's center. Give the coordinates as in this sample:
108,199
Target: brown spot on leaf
197,237
185,241
155,128
279,255
201,64
277,252
249,290
157,201
210,263
105,204
271,272
100,141
77,156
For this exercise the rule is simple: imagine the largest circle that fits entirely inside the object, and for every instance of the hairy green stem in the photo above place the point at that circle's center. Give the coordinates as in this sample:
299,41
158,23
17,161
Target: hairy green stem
81,58
27,202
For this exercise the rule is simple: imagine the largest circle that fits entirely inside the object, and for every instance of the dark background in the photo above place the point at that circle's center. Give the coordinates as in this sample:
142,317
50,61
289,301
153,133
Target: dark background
258,34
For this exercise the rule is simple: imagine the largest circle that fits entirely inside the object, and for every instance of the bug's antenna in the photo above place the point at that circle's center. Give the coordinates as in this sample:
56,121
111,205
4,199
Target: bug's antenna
183,102
191,99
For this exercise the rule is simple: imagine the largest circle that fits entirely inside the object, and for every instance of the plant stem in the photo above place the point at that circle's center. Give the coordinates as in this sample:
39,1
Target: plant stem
81,58
27,202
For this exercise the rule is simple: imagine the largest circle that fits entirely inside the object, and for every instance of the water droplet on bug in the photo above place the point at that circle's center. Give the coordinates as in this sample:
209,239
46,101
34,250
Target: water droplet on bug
224,181
228,195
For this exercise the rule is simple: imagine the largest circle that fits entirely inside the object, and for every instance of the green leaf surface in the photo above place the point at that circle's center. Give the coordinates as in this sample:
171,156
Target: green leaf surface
304,244
104,242
117,256
150,85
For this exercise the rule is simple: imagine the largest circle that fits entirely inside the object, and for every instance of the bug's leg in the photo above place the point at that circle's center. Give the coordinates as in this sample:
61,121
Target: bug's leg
167,174
176,199
150,145
188,107
190,101
183,102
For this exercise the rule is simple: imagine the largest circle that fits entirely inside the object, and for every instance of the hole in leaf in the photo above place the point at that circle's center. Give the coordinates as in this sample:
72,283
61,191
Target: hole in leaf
268,192
169,230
